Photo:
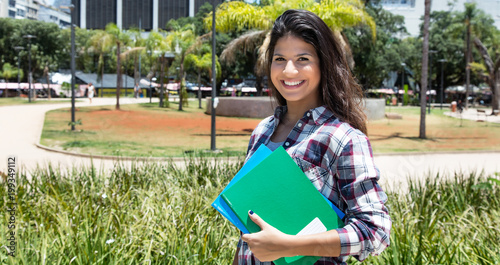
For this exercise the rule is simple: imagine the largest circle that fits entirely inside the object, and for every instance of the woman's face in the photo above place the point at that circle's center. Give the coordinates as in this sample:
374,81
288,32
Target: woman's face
295,71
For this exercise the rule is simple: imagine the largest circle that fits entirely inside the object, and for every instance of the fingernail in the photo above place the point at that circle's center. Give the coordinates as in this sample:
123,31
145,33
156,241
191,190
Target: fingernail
251,212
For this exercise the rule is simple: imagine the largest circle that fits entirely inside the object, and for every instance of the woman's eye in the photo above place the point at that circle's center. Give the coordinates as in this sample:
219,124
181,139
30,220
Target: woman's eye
303,59
279,59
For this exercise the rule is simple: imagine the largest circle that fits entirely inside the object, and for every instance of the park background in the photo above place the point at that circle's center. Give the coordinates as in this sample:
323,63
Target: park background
158,211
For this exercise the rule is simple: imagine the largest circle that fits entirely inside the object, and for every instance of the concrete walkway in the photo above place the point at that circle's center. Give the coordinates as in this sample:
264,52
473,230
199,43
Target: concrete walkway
21,126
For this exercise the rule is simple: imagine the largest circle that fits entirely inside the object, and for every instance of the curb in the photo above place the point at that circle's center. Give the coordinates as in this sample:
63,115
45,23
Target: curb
182,159
122,158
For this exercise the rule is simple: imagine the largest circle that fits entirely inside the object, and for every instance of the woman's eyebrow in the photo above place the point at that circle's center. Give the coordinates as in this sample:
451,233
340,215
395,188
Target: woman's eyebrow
298,55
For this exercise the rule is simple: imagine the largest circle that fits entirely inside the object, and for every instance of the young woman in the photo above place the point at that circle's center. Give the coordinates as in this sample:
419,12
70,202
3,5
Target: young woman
321,124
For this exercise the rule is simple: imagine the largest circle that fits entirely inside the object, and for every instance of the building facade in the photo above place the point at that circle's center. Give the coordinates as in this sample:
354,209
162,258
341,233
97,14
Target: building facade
144,14
413,10
48,13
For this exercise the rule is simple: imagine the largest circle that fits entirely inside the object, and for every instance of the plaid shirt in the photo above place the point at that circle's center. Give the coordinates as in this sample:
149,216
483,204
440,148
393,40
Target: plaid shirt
338,160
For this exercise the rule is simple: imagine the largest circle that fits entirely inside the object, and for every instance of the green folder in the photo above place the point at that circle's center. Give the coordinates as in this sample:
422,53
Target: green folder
280,193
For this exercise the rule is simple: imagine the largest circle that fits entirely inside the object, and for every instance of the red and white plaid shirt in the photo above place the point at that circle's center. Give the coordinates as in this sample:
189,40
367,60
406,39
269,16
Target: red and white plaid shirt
338,160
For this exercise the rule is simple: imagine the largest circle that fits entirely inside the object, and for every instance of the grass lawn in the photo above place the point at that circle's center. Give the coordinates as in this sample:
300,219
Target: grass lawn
146,130
18,101
443,133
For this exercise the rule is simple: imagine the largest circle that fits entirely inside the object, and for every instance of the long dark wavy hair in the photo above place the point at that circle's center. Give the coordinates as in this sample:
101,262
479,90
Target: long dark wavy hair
339,90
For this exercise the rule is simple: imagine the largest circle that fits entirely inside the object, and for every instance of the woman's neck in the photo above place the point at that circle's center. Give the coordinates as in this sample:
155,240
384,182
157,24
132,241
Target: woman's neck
295,111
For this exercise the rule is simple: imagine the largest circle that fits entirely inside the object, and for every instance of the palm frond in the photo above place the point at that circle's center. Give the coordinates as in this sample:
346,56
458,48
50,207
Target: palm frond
246,42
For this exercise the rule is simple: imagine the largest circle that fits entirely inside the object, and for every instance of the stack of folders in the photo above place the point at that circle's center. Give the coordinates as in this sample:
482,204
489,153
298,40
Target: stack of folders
274,187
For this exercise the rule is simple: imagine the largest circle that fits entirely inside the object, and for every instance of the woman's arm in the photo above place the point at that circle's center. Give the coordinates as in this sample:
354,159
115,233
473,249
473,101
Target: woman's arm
270,244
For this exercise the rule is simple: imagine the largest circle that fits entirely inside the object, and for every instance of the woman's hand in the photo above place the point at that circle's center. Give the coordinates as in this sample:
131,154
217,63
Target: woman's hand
269,244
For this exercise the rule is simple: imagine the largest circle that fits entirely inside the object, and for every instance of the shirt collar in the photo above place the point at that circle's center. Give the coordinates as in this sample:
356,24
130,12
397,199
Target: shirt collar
319,115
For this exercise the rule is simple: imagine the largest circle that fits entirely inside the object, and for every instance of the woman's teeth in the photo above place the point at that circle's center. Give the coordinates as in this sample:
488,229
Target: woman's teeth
292,83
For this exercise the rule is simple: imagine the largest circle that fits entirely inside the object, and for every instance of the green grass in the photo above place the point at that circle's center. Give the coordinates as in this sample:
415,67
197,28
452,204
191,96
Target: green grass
157,213
109,140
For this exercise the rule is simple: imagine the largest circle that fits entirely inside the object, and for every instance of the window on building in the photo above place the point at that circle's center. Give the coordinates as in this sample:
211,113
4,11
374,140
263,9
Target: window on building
12,13
12,3
21,12
410,3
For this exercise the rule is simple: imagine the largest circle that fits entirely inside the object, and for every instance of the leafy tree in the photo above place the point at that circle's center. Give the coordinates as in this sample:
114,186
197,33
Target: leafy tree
118,37
375,60
180,40
100,43
156,43
8,72
201,62
492,67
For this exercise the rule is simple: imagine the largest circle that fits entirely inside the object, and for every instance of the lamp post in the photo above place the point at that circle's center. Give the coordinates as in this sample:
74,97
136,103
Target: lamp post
29,37
430,80
402,81
72,8
442,61
18,49
214,82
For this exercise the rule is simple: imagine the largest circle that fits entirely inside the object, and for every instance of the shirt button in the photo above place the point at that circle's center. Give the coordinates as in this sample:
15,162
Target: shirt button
300,124
287,144
308,114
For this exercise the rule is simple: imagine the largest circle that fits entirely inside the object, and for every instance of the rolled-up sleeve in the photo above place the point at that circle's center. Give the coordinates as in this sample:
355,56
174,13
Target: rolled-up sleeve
367,222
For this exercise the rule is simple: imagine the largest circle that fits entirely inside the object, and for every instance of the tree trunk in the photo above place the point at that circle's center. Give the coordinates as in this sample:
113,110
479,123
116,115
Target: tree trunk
162,69
46,70
493,73
425,61
199,88
118,75
258,84
181,74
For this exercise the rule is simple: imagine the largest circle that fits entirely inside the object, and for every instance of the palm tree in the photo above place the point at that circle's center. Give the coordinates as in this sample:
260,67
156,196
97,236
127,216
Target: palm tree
101,43
181,40
157,43
201,63
235,15
425,62
118,37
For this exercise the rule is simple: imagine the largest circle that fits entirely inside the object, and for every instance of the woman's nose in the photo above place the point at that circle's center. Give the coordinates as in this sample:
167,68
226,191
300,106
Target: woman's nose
290,68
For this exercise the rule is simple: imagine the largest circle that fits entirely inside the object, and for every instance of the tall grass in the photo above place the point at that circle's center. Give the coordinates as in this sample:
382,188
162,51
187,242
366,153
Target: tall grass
157,213
445,221
146,214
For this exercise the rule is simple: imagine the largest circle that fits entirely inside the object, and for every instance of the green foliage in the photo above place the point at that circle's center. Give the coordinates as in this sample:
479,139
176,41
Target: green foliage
160,213
155,213
445,220
374,60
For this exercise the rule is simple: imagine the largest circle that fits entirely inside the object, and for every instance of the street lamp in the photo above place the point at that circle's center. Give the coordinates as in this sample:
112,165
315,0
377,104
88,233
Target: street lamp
442,61
29,37
72,8
214,81
402,81
18,49
430,80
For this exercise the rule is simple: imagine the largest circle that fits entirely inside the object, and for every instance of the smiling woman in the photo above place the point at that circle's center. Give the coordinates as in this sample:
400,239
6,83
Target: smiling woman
321,124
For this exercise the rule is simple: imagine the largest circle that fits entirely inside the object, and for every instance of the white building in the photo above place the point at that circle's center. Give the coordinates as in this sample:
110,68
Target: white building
413,10
47,13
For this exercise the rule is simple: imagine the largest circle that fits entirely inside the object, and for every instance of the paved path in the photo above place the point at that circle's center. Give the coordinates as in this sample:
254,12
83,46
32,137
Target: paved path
20,128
